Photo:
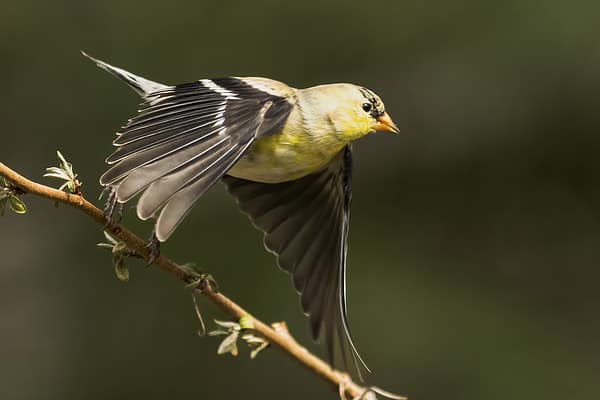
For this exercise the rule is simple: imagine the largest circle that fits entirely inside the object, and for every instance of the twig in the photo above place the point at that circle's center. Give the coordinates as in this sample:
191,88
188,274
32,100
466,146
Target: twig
280,339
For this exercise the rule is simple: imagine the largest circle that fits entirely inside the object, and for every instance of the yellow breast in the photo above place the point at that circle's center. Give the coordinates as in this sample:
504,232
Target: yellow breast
289,155
324,119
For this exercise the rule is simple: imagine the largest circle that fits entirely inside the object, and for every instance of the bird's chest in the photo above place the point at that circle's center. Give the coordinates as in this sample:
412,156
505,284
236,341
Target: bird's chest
285,157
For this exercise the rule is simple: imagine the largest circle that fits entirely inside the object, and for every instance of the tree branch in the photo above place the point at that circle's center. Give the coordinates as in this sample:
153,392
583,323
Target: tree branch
280,338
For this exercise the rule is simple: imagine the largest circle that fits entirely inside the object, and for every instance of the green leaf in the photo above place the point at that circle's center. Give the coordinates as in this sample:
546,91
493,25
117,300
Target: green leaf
246,322
120,269
17,204
119,250
71,186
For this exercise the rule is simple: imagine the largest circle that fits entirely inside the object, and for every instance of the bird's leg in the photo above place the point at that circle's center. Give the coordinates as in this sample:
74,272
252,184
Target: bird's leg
117,209
110,204
153,247
119,212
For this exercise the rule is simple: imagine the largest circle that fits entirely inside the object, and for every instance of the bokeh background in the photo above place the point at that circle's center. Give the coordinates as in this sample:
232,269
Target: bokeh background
475,235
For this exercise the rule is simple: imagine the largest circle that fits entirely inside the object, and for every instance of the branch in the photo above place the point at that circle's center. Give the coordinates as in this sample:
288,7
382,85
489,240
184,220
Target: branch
280,338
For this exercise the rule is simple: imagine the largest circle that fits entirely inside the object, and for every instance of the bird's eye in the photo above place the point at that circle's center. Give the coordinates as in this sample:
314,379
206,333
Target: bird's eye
367,107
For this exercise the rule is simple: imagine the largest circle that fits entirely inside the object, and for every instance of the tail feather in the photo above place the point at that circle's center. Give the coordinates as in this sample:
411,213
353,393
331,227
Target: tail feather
141,86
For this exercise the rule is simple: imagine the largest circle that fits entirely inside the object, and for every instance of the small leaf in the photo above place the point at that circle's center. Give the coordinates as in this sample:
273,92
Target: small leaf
119,250
110,238
228,324
17,205
218,332
55,172
246,322
229,344
61,159
65,172
258,349
256,343
120,269
252,339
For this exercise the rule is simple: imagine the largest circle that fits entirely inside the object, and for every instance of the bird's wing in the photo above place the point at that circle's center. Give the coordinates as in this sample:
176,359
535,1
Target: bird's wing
184,139
305,223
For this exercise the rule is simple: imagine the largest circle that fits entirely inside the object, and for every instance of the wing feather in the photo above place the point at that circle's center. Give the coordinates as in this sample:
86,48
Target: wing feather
142,177
184,139
305,223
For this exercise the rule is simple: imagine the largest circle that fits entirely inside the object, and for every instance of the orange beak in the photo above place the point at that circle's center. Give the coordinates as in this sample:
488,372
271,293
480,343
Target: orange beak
385,124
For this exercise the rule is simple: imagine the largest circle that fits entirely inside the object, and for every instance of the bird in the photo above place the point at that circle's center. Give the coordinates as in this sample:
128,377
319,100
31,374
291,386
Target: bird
283,153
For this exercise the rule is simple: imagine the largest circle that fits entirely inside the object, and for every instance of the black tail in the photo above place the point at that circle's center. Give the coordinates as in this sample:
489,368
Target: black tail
142,86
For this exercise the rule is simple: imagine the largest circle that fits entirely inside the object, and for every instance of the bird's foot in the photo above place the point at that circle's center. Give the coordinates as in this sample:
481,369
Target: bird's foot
111,205
153,248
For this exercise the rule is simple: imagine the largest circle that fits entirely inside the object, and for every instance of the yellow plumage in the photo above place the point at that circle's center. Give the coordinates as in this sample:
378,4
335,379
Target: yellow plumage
325,119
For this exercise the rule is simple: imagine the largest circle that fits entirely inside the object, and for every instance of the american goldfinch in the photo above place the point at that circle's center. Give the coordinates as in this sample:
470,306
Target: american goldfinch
283,153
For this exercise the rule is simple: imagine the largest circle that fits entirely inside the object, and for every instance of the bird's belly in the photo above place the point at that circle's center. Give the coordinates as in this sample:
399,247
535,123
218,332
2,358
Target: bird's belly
279,159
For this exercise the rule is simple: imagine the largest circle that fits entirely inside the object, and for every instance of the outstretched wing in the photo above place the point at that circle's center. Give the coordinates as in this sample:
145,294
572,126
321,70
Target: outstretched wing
305,222
185,138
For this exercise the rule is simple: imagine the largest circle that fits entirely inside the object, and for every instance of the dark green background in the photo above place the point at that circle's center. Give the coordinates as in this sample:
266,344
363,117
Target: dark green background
475,239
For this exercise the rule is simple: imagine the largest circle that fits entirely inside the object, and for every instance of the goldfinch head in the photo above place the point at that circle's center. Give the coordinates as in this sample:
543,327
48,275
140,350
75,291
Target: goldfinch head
374,112
353,111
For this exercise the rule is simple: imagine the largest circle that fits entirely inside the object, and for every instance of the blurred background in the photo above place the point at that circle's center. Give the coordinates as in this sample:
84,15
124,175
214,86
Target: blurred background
475,234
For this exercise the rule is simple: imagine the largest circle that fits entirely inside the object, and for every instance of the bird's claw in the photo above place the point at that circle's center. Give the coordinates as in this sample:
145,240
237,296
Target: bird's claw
153,249
110,205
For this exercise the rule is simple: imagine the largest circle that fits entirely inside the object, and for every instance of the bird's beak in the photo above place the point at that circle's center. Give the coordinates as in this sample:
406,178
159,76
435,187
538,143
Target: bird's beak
385,124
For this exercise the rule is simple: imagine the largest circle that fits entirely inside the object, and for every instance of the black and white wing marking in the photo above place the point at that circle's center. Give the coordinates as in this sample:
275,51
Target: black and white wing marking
305,222
185,138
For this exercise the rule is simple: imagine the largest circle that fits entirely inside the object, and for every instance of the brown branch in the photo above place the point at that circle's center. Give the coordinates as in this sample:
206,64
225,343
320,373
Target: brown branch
281,338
